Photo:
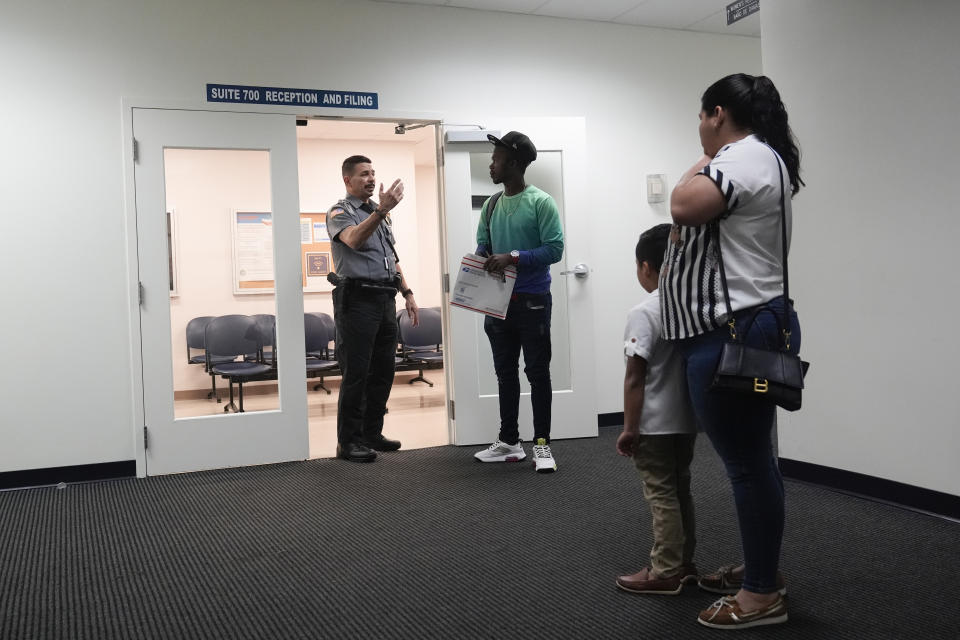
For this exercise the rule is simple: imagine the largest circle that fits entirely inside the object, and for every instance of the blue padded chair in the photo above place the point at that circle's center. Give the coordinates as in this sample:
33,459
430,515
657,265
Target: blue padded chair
330,352
422,345
317,336
331,328
234,336
267,331
195,340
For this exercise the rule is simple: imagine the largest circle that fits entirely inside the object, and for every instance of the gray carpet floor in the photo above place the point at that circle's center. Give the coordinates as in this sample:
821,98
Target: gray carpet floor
429,544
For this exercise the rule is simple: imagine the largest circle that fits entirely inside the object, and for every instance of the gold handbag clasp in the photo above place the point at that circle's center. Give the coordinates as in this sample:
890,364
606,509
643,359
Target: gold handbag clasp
760,385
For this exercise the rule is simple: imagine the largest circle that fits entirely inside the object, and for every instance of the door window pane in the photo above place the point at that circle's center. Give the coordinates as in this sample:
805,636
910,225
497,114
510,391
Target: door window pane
224,280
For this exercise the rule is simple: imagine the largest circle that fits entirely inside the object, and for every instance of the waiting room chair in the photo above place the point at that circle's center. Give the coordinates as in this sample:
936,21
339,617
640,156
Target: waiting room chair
423,344
195,340
267,331
331,327
317,336
234,336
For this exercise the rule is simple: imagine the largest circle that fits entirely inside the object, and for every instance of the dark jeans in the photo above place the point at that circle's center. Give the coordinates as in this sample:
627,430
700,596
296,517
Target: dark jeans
739,427
366,347
526,327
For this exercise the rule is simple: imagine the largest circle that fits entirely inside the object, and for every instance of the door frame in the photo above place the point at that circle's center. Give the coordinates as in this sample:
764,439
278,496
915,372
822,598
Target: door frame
128,104
575,197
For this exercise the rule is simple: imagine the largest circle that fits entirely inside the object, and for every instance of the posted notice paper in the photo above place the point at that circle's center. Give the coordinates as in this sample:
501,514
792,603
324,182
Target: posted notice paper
482,291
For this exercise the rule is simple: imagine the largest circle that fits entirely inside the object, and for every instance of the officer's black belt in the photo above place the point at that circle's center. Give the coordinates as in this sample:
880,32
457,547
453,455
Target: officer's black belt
374,286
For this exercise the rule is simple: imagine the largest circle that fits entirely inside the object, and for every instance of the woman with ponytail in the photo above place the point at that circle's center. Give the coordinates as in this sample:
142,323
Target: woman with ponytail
728,205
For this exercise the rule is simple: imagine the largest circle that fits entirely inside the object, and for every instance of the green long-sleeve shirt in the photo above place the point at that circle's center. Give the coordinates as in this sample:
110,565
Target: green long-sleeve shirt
530,223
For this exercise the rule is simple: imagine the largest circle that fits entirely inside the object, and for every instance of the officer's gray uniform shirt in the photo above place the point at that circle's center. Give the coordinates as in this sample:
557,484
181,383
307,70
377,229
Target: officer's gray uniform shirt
375,260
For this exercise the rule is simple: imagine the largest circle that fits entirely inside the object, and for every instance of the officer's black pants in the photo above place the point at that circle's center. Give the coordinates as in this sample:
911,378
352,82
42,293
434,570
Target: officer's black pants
366,347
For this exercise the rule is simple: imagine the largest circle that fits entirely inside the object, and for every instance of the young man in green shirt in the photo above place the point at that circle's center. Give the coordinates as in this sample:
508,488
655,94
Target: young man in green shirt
523,229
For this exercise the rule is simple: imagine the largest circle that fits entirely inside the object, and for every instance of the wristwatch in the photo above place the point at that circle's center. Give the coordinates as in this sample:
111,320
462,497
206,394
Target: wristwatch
515,254
406,292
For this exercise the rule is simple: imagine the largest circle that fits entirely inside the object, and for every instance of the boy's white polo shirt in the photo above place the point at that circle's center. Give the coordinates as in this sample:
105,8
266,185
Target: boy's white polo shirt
666,405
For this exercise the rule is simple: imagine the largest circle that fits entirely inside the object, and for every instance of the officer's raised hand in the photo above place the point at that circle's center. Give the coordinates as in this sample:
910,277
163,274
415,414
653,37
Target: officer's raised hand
391,197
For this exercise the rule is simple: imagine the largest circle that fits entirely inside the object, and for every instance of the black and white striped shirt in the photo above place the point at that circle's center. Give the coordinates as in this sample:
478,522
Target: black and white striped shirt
691,298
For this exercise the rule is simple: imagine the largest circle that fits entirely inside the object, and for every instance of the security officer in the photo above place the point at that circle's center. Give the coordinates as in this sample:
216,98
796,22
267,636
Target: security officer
368,277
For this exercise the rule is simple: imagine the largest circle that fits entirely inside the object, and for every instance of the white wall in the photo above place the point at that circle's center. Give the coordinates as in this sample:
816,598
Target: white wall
62,199
873,90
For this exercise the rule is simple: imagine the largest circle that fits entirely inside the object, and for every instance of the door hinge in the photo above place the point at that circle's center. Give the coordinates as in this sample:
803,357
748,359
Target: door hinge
441,156
446,283
146,439
452,409
136,151
140,293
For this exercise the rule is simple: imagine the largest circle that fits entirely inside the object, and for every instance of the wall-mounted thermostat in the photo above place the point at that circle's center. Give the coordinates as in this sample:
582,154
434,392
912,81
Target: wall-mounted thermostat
656,188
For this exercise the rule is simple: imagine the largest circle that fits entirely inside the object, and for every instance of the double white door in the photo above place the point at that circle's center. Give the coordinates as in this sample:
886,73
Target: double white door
176,443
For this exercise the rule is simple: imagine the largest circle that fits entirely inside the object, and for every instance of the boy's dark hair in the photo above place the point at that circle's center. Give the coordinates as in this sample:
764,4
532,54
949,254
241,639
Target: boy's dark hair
652,245
351,163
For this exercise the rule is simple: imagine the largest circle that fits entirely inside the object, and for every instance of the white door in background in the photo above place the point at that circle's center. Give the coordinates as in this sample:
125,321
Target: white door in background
560,171
234,439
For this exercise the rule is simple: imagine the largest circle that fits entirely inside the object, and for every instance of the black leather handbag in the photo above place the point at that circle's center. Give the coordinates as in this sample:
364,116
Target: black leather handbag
773,374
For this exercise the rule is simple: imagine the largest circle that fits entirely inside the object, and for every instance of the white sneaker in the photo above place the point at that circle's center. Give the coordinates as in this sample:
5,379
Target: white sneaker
501,452
543,460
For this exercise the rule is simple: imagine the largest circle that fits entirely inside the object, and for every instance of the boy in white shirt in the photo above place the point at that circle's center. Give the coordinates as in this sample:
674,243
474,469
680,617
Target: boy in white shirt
659,431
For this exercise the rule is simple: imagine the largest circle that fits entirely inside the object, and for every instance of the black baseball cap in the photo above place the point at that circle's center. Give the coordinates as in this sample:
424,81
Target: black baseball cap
518,144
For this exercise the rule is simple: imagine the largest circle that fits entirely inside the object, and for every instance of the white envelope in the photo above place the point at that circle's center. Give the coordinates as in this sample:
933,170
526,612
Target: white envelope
481,291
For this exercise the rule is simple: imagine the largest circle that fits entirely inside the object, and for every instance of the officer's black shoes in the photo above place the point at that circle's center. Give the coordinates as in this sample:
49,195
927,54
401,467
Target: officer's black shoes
355,452
382,444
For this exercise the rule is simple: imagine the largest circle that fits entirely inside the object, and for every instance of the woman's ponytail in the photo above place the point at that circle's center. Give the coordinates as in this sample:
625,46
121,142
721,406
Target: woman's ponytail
769,122
754,103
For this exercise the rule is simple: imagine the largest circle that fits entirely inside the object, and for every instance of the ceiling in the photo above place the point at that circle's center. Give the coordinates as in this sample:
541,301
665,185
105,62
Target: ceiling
423,139
708,16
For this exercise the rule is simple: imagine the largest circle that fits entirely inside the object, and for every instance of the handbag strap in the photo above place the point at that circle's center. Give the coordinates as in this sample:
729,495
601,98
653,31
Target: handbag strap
731,322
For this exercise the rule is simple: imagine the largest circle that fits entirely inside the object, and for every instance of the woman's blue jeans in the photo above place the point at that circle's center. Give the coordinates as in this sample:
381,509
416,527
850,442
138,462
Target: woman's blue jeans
739,427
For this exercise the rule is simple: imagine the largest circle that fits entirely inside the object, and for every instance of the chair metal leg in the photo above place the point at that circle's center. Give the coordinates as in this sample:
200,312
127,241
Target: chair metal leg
230,405
420,378
240,386
213,392
320,385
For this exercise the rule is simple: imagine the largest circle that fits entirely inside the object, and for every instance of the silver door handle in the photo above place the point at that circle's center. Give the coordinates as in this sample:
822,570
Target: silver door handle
580,271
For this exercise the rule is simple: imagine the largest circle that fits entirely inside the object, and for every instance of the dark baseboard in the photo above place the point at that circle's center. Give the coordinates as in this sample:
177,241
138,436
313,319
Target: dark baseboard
78,473
872,488
610,419
858,484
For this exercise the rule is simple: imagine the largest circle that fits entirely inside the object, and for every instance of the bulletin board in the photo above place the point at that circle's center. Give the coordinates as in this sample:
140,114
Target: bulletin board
316,258
252,233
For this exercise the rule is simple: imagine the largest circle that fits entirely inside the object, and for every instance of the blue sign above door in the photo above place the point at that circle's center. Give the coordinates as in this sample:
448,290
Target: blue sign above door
242,94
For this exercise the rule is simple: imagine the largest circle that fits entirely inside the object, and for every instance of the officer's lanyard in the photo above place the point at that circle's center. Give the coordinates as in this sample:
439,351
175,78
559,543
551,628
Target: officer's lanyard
383,235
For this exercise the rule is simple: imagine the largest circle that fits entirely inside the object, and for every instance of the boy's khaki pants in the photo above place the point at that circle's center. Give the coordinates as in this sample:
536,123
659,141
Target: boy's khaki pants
664,465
